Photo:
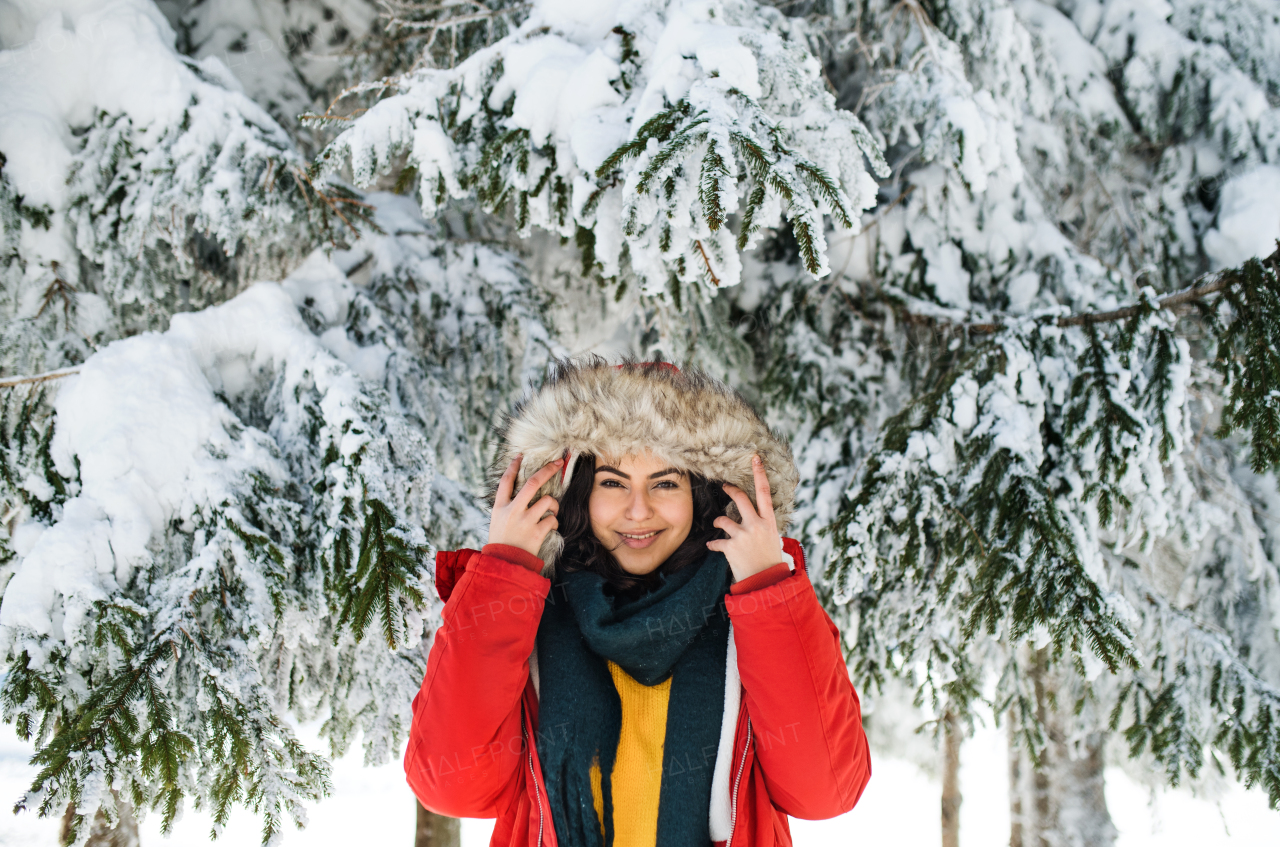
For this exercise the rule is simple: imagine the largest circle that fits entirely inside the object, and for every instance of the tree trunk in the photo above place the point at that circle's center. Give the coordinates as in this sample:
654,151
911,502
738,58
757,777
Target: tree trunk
437,830
1061,803
950,781
1015,786
102,834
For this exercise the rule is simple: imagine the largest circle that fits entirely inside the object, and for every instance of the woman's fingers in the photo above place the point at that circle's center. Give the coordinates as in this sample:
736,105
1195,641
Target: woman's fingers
515,522
506,485
754,544
763,498
546,503
539,479
728,524
744,502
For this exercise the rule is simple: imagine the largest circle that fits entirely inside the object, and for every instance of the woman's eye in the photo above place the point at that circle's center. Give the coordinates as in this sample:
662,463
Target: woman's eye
610,483
666,483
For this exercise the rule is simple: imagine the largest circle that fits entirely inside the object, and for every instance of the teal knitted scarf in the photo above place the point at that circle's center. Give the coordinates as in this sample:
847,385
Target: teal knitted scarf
681,630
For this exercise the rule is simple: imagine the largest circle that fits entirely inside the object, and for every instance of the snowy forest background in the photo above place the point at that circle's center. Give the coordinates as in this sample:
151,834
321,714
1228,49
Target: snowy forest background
1004,273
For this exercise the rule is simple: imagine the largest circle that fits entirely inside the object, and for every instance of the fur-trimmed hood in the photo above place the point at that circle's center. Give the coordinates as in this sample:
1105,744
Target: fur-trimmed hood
688,418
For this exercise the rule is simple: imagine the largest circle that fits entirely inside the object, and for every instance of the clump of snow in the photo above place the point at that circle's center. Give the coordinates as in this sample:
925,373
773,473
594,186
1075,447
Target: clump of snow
583,22
1022,291
556,84
947,275
1248,218
964,394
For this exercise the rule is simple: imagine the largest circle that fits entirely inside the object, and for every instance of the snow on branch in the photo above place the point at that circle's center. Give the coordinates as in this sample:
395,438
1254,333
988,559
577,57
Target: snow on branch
144,181
644,133
997,422
1210,283
151,456
1198,693
1246,337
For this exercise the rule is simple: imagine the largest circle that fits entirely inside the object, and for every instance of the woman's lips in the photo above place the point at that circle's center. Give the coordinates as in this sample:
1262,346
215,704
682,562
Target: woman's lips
638,543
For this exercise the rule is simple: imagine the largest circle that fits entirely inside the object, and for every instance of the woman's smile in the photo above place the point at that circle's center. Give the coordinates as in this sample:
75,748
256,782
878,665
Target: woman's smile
637,540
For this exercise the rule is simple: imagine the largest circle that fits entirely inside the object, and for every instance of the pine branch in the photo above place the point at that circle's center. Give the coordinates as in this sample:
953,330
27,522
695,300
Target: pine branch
1209,283
1248,357
1102,422
658,127
386,569
1246,707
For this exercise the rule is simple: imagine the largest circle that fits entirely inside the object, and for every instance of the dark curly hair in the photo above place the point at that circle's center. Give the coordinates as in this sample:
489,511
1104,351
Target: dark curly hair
584,552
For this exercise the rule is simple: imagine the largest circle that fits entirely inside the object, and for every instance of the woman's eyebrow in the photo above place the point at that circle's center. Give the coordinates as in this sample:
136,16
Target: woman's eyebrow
663,472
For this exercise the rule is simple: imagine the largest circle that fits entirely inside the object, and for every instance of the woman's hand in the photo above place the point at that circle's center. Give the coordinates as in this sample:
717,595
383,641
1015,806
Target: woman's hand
755,544
514,521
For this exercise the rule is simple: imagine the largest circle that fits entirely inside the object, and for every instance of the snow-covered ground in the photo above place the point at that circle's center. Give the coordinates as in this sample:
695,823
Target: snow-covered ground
373,806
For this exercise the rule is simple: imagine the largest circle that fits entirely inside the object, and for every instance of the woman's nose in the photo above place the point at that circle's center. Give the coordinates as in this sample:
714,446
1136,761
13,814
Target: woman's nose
638,507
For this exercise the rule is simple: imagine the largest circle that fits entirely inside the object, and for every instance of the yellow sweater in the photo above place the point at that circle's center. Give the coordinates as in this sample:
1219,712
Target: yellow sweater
637,767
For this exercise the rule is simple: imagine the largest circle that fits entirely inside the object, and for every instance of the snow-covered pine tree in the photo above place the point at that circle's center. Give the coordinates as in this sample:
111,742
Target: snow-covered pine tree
1027,507
222,521
996,471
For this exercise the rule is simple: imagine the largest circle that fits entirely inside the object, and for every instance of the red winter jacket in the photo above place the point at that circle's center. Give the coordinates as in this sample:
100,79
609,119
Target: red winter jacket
797,742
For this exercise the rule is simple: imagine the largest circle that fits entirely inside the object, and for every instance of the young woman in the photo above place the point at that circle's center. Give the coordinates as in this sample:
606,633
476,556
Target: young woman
637,657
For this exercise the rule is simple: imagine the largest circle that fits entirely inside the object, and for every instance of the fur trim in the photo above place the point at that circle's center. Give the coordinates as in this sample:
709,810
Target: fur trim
687,418
721,812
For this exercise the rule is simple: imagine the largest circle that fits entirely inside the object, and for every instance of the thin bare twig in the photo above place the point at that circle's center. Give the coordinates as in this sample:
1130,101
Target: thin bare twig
10,382
976,537
359,88
456,21
300,176
411,18
58,288
715,280
270,178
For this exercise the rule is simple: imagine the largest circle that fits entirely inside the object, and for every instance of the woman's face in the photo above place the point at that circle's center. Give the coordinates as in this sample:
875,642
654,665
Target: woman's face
641,510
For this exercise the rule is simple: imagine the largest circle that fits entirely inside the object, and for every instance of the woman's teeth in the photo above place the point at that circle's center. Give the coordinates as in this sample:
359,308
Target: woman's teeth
639,537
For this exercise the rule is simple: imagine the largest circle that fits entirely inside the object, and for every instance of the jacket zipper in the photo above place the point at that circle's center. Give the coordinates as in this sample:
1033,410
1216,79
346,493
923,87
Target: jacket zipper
733,817
537,794
737,780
